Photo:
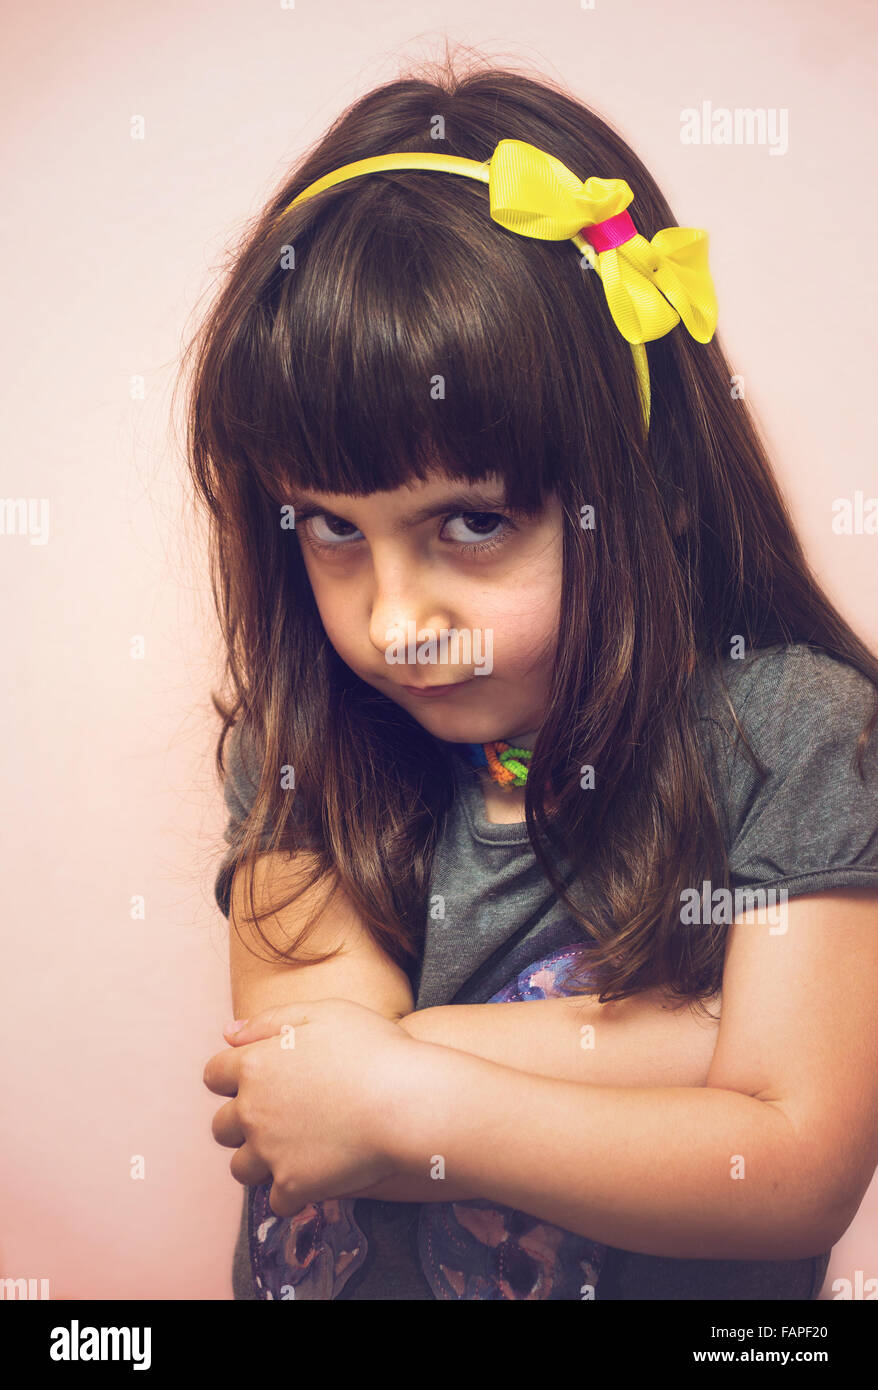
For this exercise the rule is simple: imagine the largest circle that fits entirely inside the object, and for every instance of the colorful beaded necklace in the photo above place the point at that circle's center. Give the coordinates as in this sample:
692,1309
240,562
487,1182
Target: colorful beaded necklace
505,763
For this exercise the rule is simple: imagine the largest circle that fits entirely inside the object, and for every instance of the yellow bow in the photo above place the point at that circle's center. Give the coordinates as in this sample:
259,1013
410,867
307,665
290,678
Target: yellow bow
534,194
649,285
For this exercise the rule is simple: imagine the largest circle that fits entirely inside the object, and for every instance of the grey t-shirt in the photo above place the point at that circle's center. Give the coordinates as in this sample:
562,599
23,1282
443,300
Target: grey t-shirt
809,826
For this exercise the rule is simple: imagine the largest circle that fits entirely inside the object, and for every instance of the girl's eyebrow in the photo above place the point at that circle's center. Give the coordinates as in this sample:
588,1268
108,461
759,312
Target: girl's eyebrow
474,500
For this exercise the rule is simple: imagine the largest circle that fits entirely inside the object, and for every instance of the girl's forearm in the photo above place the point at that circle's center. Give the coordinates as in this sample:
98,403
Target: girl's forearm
636,1042
674,1171
640,1041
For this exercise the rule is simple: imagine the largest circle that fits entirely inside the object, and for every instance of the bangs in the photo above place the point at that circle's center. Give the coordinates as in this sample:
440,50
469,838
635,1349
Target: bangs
413,335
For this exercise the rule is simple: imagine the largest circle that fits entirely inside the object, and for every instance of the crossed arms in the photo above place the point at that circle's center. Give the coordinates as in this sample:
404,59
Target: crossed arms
766,1154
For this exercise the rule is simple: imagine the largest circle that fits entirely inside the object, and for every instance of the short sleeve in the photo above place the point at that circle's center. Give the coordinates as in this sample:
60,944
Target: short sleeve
243,773
239,792
811,824
241,784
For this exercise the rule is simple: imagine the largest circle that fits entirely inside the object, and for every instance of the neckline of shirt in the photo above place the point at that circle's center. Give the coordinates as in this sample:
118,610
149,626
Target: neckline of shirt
468,790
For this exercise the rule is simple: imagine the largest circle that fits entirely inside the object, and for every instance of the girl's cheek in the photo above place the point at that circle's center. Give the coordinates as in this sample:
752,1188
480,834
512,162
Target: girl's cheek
526,625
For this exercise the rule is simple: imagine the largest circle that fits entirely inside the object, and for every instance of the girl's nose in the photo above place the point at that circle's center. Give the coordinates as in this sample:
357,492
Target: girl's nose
392,635
405,615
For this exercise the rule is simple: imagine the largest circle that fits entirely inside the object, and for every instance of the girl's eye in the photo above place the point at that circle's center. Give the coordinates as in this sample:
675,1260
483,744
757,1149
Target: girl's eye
328,520
490,528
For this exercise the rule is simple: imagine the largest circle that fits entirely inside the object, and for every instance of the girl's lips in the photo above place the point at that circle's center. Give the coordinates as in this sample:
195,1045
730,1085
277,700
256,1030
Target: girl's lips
432,692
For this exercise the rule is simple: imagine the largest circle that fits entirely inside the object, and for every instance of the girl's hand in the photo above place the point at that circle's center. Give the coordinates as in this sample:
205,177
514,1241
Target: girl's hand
319,1089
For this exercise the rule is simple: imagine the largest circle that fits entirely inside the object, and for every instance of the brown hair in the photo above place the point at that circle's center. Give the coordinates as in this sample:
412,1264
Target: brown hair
319,376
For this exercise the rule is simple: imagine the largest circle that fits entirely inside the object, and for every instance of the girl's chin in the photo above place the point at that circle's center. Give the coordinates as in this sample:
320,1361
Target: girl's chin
450,730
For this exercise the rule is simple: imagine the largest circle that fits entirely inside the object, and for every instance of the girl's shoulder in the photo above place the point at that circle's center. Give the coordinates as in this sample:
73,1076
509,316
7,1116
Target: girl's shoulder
804,816
793,692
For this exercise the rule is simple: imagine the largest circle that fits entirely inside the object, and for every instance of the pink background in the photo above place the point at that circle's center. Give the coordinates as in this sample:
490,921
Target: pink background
108,243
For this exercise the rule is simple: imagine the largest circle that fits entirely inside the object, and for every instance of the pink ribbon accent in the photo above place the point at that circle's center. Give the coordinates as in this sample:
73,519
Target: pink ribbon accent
603,236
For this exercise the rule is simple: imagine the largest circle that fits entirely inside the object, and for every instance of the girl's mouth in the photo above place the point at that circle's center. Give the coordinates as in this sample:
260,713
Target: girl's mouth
433,692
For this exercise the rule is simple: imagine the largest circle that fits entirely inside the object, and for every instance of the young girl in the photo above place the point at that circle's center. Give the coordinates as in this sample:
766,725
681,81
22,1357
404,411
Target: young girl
551,785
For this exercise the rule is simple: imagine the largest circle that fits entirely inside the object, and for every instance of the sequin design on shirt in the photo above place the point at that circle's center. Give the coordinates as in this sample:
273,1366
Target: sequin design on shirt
478,1249
310,1255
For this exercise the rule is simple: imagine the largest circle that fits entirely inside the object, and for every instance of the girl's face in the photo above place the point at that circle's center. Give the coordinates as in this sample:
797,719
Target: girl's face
395,569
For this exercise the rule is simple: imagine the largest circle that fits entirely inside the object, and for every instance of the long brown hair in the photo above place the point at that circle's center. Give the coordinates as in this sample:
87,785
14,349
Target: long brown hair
317,372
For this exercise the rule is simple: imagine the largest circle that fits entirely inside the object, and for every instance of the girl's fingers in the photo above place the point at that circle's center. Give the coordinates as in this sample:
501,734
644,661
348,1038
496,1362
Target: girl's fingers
247,1168
226,1127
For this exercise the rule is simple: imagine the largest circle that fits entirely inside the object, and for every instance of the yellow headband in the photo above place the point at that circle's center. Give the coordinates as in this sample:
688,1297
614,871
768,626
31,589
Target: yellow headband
649,285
